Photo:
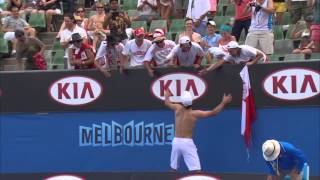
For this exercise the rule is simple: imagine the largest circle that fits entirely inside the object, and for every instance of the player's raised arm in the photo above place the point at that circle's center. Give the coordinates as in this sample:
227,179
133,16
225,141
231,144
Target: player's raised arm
167,101
203,114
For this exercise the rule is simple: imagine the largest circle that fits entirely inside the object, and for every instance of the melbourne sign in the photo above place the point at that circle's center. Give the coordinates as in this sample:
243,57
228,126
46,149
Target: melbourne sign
177,83
129,134
75,90
292,84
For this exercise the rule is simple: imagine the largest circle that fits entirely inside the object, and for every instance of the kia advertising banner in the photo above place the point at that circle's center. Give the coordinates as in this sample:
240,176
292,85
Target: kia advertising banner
278,84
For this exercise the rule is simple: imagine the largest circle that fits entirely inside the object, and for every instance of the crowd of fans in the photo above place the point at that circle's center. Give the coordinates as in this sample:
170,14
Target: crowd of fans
105,40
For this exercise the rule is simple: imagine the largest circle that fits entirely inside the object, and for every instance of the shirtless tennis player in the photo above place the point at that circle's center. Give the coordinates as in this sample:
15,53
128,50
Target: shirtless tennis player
185,119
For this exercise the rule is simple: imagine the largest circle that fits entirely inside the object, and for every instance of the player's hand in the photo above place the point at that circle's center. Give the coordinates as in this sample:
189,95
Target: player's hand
226,98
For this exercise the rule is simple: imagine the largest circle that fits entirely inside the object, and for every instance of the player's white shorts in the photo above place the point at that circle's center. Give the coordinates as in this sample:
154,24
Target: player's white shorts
184,147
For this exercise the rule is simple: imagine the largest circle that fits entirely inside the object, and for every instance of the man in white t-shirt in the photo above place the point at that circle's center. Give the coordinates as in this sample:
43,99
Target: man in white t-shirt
135,49
186,53
65,36
238,54
109,55
156,55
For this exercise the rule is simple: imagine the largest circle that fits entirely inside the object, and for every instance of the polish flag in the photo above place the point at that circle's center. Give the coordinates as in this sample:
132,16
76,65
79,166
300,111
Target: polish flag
248,114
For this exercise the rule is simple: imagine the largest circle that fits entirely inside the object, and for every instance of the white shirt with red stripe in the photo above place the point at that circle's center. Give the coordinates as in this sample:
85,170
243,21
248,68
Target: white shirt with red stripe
247,53
193,56
137,53
159,55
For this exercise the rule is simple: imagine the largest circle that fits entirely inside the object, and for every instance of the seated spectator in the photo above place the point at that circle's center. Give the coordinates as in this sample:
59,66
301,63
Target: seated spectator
301,8
14,22
226,37
297,31
242,19
79,17
50,7
260,32
95,26
148,11
238,54
14,3
200,11
194,37
109,55
116,21
65,36
29,7
166,7
211,39
135,49
306,45
156,55
186,53
315,27
27,48
80,53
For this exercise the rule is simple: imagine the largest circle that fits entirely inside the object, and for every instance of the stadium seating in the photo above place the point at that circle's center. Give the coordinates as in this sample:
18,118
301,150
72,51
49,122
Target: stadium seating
162,24
230,10
137,24
132,13
129,4
283,46
294,57
177,25
315,56
219,20
274,57
278,32
37,20
286,19
3,46
58,57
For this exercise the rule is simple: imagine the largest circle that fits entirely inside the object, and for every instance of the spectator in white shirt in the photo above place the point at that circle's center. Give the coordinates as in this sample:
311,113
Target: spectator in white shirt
157,53
135,49
148,11
238,54
187,53
65,36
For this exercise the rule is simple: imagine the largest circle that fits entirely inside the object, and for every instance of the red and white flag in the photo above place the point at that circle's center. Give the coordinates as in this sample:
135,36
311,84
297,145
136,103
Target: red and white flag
248,114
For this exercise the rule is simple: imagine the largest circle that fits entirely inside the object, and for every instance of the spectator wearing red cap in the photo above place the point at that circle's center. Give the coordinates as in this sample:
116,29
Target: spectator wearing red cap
157,53
187,53
135,49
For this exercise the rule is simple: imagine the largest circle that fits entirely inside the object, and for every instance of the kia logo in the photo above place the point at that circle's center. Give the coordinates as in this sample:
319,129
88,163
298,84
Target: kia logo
198,177
75,90
177,83
64,177
292,84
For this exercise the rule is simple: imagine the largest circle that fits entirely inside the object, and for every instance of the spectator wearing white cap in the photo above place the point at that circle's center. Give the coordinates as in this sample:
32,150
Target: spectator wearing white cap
156,55
211,39
187,53
135,49
282,159
238,54
185,120
214,53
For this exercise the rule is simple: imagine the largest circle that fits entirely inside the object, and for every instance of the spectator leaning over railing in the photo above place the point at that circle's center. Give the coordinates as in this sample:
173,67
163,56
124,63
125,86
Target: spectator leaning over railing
65,36
260,32
214,54
186,53
14,22
109,55
242,20
238,54
135,50
80,53
157,53
29,48
315,27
